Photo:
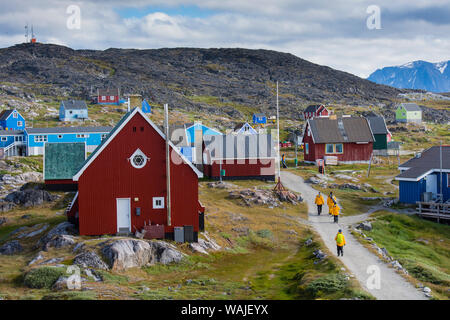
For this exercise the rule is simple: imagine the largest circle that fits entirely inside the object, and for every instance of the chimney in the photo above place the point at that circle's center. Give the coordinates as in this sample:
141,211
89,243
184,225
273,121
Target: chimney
198,144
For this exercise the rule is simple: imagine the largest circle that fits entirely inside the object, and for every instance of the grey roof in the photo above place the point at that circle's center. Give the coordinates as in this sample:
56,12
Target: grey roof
259,114
428,160
75,105
108,92
10,132
233,146
341,130
177,134
69,130
313,108
5,114
410,107
378,125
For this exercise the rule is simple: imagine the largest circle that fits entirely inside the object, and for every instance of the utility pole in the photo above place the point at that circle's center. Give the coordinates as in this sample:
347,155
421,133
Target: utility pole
278,138
166,123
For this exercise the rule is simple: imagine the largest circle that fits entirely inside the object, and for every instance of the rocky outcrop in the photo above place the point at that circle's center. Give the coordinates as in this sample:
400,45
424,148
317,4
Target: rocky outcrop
11,247
366,226
6,206
89,259
60,241
29,197
205,245
129,253
64,228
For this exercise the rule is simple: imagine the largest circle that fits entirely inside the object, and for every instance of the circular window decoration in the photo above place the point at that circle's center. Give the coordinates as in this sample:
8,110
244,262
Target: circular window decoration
138,159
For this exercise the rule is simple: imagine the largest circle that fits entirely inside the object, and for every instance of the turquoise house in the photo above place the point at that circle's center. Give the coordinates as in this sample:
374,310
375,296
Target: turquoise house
206,131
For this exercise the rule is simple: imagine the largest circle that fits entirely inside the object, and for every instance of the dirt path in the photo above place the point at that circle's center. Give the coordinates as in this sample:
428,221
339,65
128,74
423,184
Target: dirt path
356,257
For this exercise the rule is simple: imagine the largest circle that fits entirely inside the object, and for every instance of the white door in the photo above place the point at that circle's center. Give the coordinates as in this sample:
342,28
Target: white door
123,215
432,184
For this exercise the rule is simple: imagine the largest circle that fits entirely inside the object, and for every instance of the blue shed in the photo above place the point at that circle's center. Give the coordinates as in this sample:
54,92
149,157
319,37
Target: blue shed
146,108
37,137
423,173
12,143
71,110
11,120
259,118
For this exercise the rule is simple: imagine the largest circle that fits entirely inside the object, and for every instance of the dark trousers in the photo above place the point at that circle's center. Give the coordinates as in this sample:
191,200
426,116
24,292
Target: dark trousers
336,219
319,209
340,250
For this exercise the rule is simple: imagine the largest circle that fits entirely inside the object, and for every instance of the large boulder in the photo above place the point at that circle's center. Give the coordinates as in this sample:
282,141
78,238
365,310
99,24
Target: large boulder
60,241
89,259
6,206
366,226
64,228
11,247
130,253
29,197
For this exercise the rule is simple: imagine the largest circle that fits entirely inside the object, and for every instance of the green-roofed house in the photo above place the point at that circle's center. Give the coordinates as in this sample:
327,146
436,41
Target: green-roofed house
61,163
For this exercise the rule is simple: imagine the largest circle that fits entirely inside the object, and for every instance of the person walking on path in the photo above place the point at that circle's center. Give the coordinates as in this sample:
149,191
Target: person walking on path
319,202
331,200
340,243
283,161
335,212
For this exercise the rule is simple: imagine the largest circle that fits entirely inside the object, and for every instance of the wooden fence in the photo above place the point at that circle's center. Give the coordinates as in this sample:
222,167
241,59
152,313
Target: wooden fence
434,210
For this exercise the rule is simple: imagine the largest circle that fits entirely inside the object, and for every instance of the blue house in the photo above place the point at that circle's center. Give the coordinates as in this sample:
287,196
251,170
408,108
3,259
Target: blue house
245,128
37,137
259,118
12,143
191,128
11,120
423,174
146,108
71,110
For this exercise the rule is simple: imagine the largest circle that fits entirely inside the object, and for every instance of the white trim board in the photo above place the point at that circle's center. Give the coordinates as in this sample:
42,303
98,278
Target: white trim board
116,132
423,175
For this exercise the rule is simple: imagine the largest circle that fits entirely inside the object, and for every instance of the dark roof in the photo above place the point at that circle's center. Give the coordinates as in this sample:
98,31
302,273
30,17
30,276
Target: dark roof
346,129
378,125
313,108
259,114
5,114
10,132
238,126
74,105
69,130
232,146
428,160
411,107
62,160
108,92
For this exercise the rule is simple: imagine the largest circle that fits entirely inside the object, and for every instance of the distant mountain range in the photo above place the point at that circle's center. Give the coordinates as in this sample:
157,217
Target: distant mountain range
434,77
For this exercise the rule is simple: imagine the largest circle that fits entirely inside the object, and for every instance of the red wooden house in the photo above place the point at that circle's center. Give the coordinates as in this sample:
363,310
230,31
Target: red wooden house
349,139
108,96
239,156
122,186
316,110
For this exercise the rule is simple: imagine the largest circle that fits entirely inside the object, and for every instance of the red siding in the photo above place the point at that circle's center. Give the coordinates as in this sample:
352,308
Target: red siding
108,99
111,176
60,182
242,168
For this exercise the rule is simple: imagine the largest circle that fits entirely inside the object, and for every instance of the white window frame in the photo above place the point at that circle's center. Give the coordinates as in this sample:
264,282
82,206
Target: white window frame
103,136
138,152
60,136
15,115
103,98
306,148
19,123
82,136
111,98
155,205
4,139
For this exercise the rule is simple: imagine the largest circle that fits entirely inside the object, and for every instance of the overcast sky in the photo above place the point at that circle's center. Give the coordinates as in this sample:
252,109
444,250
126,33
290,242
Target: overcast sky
332,33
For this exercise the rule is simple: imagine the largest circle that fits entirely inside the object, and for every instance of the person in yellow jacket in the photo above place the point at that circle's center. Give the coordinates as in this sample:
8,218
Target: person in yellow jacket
319,202
340,243
331,200
335,212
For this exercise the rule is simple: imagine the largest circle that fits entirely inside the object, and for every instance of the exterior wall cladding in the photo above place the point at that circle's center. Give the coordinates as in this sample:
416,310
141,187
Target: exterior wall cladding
261,168
111,176
353,152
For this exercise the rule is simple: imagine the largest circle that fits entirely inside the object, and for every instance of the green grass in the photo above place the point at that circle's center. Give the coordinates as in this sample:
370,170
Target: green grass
44,277
421,246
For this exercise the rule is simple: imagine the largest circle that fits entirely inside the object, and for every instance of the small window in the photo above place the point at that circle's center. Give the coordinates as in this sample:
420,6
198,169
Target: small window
4,138
134,129
138,159
329,148
60,136
339,148
306,148
158,202
111,97
15,115
19,123
82,136
40,138
104,136
103,98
